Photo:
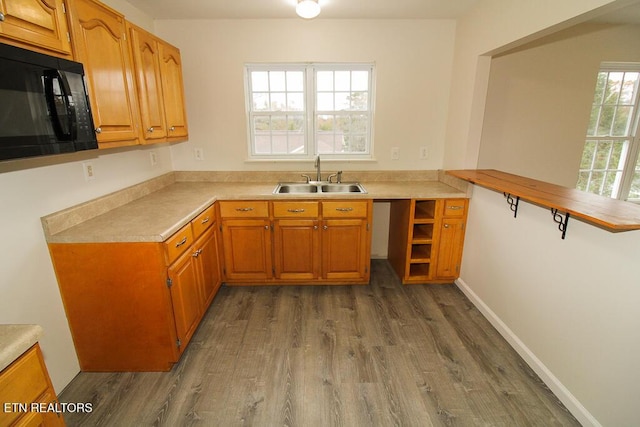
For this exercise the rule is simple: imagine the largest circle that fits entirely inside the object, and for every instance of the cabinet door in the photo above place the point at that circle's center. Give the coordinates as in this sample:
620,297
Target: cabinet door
296,249
36,23
247,249
345,249
100,44
146,61
173,91
208,265
450,248
185,296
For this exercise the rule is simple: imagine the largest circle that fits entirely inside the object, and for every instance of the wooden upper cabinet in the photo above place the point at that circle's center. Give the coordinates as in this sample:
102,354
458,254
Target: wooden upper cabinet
146,59
173,91
158,72
100,43
35,24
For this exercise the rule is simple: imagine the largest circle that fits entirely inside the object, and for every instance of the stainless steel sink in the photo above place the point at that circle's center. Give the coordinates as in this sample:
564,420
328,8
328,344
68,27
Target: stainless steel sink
319,187
343,188
295,188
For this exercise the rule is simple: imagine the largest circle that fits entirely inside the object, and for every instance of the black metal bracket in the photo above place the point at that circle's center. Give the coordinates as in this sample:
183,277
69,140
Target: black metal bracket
513,204
561,221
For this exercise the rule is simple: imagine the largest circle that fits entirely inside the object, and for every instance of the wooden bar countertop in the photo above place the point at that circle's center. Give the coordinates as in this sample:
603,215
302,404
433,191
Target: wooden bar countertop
611,214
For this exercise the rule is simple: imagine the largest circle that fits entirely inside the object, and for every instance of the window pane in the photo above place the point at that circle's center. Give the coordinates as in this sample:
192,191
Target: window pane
342,101
600,86
260,101
295,102
628,88
622,121
360,101
613,88
360,80
593,121
596,182
295,81
259,81
325,102
587,155
343,80
324,81
278,101
277,80
602,155
583,181
606,119
325,123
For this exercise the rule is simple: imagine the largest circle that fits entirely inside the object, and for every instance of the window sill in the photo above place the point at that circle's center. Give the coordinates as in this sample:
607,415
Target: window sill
610,214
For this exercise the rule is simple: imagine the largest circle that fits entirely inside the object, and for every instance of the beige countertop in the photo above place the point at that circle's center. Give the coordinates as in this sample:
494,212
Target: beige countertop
156,216
15,340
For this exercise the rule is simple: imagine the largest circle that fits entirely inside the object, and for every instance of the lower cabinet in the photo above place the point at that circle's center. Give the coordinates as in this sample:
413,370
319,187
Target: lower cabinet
26,381
134,306
426,237
307,241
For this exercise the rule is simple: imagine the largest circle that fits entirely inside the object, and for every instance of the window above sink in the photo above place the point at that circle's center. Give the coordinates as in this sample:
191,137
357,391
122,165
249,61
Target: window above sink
298,111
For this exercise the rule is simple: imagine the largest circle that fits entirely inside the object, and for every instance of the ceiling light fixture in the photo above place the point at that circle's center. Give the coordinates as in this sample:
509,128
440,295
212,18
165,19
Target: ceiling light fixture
308,9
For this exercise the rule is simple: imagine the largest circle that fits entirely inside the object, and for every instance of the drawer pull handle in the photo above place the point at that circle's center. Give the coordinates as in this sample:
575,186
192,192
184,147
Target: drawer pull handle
244,209
204,221
344,209
455,208
295,210
181,242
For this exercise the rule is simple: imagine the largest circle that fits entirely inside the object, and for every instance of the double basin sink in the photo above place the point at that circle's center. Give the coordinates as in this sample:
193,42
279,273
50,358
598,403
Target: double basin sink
316,187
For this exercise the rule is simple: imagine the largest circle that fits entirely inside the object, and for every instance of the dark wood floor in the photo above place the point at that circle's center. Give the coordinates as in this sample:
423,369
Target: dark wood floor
377,355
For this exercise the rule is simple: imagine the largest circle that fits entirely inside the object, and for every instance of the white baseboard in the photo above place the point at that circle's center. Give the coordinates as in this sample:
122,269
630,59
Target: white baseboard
554,384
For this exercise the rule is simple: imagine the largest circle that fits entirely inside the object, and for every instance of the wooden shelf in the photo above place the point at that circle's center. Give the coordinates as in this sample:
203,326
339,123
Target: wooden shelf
610,214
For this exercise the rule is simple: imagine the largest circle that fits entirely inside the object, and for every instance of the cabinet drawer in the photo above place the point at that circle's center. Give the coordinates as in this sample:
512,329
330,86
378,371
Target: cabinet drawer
22,382
345,209
455,207
203,221
177,243
244,209
295,209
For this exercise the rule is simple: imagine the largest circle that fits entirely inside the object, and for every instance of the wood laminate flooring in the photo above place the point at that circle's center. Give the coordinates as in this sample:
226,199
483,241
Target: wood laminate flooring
377,355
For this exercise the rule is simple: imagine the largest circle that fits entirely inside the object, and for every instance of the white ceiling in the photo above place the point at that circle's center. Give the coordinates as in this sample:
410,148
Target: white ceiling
331,9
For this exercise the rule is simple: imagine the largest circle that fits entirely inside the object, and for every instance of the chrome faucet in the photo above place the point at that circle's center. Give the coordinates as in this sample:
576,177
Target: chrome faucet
317,166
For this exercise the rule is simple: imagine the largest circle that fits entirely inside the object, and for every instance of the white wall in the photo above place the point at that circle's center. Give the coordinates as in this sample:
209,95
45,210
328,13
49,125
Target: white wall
540,96
32,188
568,305
413,72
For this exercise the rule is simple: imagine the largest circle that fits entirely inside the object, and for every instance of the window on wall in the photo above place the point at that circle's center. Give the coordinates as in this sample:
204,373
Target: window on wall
297,111
610,165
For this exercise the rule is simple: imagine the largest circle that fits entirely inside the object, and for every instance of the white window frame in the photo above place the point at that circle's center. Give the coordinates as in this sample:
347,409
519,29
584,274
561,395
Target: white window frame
310,113
631,150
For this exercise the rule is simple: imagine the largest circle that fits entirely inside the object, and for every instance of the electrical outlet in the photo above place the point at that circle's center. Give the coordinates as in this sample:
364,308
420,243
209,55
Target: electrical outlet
395,153
424,152
198,153
89,173
153,158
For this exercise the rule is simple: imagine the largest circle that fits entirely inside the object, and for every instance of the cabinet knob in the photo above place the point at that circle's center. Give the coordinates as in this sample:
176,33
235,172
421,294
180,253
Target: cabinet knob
1,17
324,227
315,227
98,130
150,130
446,226
172,128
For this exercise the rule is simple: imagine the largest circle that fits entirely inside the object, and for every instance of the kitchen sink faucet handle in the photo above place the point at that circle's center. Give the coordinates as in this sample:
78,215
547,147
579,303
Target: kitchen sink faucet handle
307,177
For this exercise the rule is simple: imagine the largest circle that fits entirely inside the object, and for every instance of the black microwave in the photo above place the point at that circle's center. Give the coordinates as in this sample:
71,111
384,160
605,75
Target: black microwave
44,107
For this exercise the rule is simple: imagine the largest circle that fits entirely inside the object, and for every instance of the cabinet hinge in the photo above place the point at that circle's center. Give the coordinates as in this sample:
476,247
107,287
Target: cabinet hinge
367,226
68,37
169,282
178,342
64,9
366,269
